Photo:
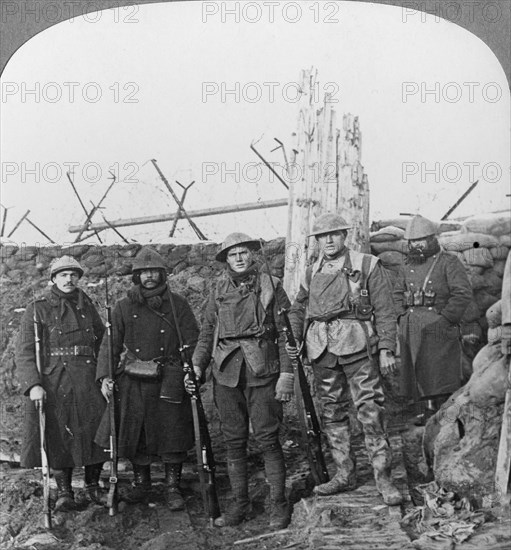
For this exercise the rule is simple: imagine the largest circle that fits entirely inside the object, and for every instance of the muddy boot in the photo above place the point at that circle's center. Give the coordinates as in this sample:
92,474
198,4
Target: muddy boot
65,497
345,478
382,474
92,489
275,469
173,496
238,509
141,483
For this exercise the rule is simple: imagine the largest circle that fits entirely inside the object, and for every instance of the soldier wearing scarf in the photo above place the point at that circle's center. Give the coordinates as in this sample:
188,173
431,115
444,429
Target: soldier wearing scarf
431,294
154,413
252,373
71,332
344,314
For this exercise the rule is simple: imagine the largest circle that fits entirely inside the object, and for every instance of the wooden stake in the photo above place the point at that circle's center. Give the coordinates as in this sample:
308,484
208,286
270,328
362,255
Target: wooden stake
19,223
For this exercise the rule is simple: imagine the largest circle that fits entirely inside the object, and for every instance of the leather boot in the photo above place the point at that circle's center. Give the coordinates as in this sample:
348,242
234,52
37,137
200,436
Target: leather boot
382,475
65,496
141,483
92,488
345,478
173,496
275,469
238,509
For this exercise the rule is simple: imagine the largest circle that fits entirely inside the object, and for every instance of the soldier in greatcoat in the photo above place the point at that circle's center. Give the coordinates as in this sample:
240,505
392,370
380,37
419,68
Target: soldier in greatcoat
344,315
71,331
431,294
154,412
252,373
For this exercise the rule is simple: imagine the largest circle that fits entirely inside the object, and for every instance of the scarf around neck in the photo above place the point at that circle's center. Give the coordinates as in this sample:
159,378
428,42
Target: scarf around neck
152,297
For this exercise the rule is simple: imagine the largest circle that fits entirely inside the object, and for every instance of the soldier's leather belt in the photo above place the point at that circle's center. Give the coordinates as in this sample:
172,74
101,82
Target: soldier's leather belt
72,350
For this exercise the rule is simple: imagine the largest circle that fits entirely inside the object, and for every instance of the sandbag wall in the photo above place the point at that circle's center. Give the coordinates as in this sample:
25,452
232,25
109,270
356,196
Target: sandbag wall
481,242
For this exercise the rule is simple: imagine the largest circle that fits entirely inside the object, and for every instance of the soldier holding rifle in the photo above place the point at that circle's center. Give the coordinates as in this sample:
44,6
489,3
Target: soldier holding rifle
252,372
344,314
69,335
153,410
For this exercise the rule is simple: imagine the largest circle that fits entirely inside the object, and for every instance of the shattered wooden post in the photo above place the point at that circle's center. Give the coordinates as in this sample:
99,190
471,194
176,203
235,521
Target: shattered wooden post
325,175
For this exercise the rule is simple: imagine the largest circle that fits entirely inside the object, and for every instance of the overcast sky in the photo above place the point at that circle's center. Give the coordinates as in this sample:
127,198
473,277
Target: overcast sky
120,87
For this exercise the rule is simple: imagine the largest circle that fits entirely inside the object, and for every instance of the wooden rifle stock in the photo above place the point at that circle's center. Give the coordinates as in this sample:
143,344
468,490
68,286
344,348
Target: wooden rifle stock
204,450
203,447
112,480
45,468
312,427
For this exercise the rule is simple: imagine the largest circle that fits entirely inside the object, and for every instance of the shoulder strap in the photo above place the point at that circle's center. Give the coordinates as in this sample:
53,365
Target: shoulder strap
430,271
365,270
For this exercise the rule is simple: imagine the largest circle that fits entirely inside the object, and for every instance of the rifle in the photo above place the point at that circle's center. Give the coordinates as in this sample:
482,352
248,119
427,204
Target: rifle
204,451
42,428
112,480
311,428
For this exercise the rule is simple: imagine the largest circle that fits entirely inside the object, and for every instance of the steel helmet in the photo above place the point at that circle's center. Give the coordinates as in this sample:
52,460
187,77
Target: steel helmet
147,258
328,223
65,263
419,228
236,239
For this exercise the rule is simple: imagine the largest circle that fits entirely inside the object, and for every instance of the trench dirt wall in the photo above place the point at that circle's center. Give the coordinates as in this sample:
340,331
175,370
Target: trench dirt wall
482,243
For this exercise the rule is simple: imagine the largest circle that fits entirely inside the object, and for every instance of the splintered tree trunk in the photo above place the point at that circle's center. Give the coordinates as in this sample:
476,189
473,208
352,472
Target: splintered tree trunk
325,176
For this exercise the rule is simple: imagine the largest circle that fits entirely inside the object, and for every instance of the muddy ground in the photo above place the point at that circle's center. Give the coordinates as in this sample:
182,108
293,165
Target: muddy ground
150,526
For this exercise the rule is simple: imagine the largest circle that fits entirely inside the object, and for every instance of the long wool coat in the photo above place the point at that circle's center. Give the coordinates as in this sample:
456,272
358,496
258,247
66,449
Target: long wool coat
429,336
144,420
74,404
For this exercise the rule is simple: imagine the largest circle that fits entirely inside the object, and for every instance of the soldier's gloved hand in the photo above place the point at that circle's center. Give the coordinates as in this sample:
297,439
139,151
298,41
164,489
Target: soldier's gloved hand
293,352
190,387
107,388
387,362
285,386
37,395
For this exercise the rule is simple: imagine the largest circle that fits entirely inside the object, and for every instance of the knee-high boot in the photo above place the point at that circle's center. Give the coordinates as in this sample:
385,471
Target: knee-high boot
345,478
276,475
238,509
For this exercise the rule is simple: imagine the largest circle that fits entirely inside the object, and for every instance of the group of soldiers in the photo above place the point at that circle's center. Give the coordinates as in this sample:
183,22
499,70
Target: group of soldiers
346,319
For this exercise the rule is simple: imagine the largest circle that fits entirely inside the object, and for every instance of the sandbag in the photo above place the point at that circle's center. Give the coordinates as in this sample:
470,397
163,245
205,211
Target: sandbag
505,240
392,258
477,281
484,300
478,256
401,223
459,241
491,224
385,234
499,267
499,252
390,246
448,226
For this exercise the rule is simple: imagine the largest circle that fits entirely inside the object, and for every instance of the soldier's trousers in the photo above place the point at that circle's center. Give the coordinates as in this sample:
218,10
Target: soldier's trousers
335,382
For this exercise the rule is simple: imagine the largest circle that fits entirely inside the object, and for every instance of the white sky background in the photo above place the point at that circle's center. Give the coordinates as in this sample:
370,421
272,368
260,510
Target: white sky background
169,52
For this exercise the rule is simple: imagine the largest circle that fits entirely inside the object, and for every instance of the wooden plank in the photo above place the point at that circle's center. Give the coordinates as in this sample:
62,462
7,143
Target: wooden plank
191,213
